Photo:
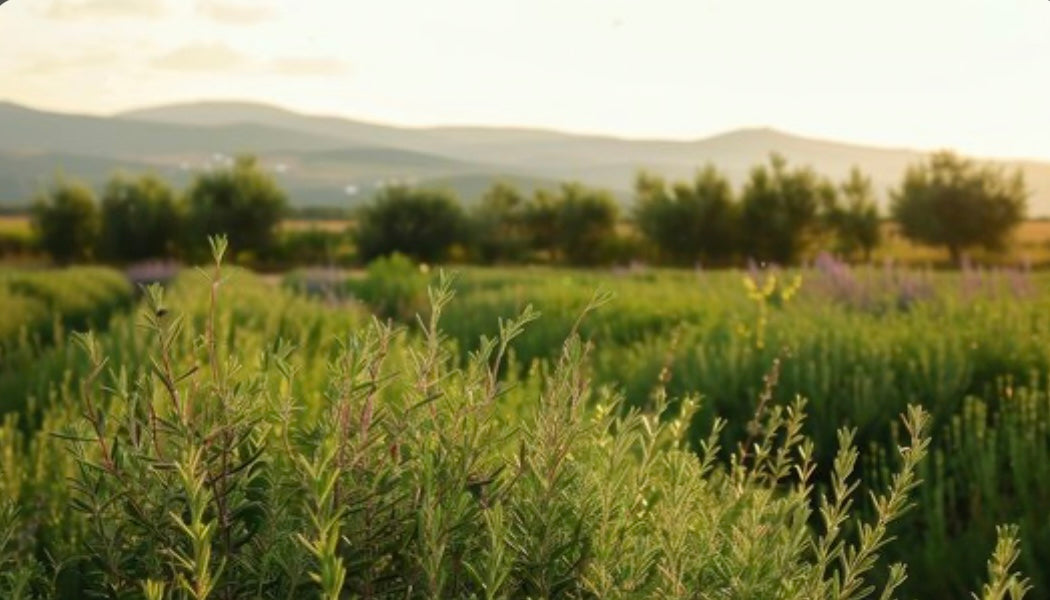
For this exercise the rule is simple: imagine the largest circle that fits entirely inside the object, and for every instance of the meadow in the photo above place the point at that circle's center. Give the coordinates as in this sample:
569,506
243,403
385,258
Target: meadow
533,433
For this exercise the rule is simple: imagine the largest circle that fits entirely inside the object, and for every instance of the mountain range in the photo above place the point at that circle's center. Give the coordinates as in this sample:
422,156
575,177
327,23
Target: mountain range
333,162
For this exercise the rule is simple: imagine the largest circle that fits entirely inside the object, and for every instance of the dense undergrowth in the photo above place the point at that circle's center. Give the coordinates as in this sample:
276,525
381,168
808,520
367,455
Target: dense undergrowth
39,307
860,344
235,441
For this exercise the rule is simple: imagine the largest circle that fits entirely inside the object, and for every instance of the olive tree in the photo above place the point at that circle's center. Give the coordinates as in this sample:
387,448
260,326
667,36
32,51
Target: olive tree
242,201
783,210
688,221
958,203
66,221
140,218
420,223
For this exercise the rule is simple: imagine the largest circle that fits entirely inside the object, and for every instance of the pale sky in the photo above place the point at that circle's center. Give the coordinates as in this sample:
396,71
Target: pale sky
969,74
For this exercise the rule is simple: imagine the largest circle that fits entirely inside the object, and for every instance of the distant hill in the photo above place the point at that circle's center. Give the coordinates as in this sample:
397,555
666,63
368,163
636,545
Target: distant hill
31,130
333,161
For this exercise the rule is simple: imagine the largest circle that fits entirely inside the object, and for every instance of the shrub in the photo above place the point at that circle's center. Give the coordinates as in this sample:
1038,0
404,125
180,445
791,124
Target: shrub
421,224
781,211
66,221
857,226
501,233
394,287
140,219
575,226
689,222
242,202
311,246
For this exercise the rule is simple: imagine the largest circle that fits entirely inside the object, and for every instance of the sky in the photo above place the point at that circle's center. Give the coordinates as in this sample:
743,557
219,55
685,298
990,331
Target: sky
924,74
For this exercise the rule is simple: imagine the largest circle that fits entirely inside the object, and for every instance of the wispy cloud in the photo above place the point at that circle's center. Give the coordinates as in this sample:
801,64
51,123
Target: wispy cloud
87,9
202,56
234,12
48,64
218,56
307,66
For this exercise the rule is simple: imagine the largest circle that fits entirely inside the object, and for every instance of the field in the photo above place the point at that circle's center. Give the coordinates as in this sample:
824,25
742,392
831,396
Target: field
1030,244
241,437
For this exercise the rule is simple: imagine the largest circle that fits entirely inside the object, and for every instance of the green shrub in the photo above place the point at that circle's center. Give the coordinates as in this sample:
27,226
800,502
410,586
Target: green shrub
423,224
393,287
66,221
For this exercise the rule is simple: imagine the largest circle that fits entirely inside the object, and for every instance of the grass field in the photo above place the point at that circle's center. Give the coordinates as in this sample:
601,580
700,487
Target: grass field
1030,245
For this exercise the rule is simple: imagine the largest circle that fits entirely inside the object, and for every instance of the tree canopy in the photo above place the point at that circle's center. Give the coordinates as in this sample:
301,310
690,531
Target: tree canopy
243,202
66,221
688,221
782,210
420,223
958,203
140,218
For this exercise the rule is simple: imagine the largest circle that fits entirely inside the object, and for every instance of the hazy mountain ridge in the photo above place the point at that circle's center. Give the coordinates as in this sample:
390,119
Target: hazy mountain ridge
320,159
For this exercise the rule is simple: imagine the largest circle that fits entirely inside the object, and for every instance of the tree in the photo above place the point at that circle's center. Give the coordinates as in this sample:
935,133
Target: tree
691,221
585,225
242,202
420,223
541,222
782,210
66,221
957,203
856,223
140,219
500,226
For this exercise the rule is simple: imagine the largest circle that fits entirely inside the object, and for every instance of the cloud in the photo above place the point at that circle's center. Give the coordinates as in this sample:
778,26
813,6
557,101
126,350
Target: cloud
305,66
218,56
201,56
85,9
236,12
52,63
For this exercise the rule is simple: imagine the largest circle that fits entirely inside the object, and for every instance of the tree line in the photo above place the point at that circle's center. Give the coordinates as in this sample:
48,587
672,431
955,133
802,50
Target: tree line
780,214
142,217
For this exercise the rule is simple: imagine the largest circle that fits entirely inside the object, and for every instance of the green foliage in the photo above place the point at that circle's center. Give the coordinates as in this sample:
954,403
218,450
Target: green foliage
977,359
1002,583
36,307
856,225
237,439
499,221
16,243
223,445
689,223
66,221
576,226
140,219
586,222
422,224
393,287
242,202
958,203
311,246
781,211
